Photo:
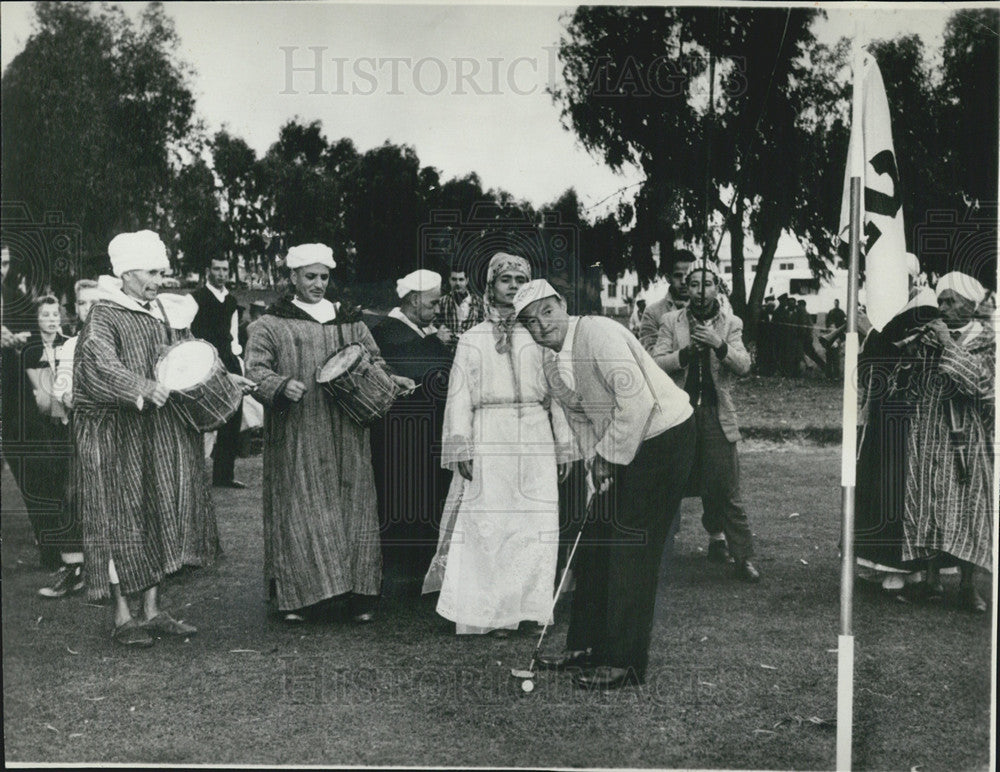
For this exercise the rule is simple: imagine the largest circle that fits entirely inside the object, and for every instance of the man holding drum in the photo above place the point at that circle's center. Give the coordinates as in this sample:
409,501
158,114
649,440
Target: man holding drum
144,501
410,480
321,535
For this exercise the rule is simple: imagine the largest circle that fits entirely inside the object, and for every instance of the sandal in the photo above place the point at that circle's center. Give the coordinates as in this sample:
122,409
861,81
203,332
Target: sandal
131,633
165,624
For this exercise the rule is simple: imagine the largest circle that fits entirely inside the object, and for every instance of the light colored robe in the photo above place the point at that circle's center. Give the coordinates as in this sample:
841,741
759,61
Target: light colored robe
496,558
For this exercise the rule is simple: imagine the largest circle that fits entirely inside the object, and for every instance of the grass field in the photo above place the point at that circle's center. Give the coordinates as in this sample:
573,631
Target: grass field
741,676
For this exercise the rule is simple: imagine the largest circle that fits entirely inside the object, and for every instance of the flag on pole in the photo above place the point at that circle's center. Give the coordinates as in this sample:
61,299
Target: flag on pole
872,158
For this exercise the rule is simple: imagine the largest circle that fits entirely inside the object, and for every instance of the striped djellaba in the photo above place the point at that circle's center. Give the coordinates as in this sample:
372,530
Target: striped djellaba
321,532
947,511
143,493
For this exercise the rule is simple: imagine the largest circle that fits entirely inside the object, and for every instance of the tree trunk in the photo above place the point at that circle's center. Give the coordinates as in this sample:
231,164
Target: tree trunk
739,296
769,247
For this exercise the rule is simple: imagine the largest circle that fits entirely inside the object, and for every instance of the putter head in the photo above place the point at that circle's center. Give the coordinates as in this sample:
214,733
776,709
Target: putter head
526,674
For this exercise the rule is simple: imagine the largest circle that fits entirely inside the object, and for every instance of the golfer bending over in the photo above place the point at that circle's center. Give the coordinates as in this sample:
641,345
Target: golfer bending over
635,427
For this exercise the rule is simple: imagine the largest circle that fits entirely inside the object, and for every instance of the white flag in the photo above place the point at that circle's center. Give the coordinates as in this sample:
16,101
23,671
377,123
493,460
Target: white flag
883,240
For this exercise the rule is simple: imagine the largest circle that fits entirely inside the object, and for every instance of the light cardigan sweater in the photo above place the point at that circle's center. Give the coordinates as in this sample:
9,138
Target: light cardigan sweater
618,396
674,335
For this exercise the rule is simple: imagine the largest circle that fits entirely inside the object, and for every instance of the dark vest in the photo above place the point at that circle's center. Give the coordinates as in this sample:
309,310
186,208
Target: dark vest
213,323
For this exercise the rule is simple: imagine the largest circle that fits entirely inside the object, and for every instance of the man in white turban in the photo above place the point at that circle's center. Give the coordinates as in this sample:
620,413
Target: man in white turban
949,502
141,466
321,540
406,444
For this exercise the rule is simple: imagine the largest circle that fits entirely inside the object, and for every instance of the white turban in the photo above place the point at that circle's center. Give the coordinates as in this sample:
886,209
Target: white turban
963,284
418,281
912,264
141,251
539,289
310,254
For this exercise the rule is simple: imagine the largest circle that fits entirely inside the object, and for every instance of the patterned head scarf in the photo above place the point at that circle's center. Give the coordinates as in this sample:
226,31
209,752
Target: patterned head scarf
503,320
709,267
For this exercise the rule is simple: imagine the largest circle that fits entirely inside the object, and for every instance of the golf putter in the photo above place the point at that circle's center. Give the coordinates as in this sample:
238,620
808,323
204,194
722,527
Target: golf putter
528,675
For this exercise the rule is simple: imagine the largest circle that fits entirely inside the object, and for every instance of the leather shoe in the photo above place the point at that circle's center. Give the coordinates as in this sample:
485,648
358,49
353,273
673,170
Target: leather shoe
164,624
567,660
971,600
718,552
746,571
235,484
606,677
133,635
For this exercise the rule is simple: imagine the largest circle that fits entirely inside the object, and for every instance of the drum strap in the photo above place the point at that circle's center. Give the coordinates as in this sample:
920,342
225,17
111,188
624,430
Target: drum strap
166,322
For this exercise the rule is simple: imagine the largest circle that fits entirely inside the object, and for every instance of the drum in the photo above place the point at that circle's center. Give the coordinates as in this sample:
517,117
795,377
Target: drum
358,384
200,388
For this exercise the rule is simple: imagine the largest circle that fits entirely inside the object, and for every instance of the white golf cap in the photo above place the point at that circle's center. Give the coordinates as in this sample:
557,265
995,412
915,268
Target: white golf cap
418,281
538,289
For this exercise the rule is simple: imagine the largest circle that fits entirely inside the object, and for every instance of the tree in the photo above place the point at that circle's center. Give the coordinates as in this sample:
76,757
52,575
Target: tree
385,203
197,221
241,178
97,115
302,199
636,82
970,94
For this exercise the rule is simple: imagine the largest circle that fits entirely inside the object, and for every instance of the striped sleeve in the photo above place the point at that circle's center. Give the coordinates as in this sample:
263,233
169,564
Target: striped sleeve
261,359
972,372
99,371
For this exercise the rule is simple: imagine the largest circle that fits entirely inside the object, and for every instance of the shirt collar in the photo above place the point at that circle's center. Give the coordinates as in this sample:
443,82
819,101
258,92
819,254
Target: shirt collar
566,352
398,315
219,293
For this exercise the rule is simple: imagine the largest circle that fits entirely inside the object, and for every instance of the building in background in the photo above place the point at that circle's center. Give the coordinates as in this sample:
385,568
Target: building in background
789,274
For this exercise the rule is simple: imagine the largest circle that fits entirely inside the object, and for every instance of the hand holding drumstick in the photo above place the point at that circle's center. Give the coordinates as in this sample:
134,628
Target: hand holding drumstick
246,385
295,390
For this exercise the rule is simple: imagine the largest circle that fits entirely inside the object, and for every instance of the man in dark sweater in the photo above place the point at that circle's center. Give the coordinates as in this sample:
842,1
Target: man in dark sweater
217,322
409,479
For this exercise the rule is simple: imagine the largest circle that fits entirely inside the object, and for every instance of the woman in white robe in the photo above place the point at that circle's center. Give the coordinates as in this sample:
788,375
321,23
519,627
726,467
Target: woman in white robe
496,560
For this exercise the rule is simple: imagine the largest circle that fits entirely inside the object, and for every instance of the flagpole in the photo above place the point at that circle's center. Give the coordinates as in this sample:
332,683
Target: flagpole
845,641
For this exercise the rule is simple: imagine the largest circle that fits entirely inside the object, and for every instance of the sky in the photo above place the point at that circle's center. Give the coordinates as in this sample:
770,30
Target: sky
465,85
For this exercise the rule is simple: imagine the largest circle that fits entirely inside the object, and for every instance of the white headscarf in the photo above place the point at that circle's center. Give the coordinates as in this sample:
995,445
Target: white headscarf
418,281
310,254
963,284
140,251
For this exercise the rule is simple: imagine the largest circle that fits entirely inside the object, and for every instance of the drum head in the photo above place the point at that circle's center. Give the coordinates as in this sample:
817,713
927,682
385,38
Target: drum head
339,363
185,365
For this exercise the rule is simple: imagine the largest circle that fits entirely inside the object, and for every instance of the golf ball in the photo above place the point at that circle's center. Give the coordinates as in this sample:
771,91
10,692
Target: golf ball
527,686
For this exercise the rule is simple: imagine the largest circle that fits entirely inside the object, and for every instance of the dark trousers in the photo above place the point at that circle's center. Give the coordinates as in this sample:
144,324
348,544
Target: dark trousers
717,467
43,476
227,446
618,561
833,363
